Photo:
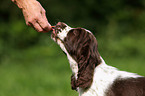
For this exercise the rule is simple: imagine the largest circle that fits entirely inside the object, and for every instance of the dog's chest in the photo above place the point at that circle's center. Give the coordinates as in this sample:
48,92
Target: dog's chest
104,77
73,65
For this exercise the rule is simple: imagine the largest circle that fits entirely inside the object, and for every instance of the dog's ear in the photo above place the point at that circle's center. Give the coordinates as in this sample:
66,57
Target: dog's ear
82,46
87,61
73,83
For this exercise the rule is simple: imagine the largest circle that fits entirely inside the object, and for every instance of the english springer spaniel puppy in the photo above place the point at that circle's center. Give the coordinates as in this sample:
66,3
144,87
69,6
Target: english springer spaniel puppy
91,75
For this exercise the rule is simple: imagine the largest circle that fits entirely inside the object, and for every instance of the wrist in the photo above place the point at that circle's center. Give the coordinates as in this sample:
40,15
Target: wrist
22,4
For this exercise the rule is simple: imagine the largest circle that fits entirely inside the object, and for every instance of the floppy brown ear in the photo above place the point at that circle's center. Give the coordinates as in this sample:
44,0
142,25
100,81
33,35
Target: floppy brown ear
73,83
82,46
87,61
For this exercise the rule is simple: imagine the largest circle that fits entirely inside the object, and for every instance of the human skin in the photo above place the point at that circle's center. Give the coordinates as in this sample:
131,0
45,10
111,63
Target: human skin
34,14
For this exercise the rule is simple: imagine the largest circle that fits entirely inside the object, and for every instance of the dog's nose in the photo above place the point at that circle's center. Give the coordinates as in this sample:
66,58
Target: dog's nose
59,23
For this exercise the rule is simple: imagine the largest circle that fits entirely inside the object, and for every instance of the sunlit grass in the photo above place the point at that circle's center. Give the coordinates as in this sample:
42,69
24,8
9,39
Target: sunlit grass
35,72
43,70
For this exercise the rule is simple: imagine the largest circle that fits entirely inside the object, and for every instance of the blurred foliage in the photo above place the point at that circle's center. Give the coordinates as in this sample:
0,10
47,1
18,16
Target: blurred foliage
27,57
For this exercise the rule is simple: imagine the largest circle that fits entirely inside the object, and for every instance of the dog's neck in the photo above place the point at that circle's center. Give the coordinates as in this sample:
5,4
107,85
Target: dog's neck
73,65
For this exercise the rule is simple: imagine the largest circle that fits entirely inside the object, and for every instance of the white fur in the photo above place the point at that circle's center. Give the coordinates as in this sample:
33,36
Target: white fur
63,33
72,62
104,75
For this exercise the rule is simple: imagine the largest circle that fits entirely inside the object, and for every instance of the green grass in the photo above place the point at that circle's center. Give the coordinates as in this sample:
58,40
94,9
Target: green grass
130,64
44,71
38,71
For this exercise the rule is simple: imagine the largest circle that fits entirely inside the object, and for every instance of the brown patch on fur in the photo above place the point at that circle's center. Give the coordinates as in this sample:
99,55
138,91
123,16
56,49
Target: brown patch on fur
127,87
73,82
82,46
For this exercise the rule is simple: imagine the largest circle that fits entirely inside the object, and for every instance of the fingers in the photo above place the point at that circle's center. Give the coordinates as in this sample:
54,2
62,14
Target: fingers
43,22
35,17
40,24
35,25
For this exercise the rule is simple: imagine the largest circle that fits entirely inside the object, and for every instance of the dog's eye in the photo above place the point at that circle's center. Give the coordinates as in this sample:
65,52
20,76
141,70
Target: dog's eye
58,29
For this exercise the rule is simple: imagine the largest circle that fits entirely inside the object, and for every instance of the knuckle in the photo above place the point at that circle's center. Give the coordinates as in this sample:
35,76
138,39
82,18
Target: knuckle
28,24
33,19
30,20
43,11
37,17
39,30
45,27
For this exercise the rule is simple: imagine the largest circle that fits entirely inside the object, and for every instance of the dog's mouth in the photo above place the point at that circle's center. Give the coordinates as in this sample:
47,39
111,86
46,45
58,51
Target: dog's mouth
57,29
53,35
55,32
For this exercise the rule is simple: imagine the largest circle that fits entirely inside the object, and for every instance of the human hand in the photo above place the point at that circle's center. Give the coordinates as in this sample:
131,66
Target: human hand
34,15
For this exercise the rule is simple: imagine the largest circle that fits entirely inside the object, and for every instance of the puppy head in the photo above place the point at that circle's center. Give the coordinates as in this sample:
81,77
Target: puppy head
59,33
81,45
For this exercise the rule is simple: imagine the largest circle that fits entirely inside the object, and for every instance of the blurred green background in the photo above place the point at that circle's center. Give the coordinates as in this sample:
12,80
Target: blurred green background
31,64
